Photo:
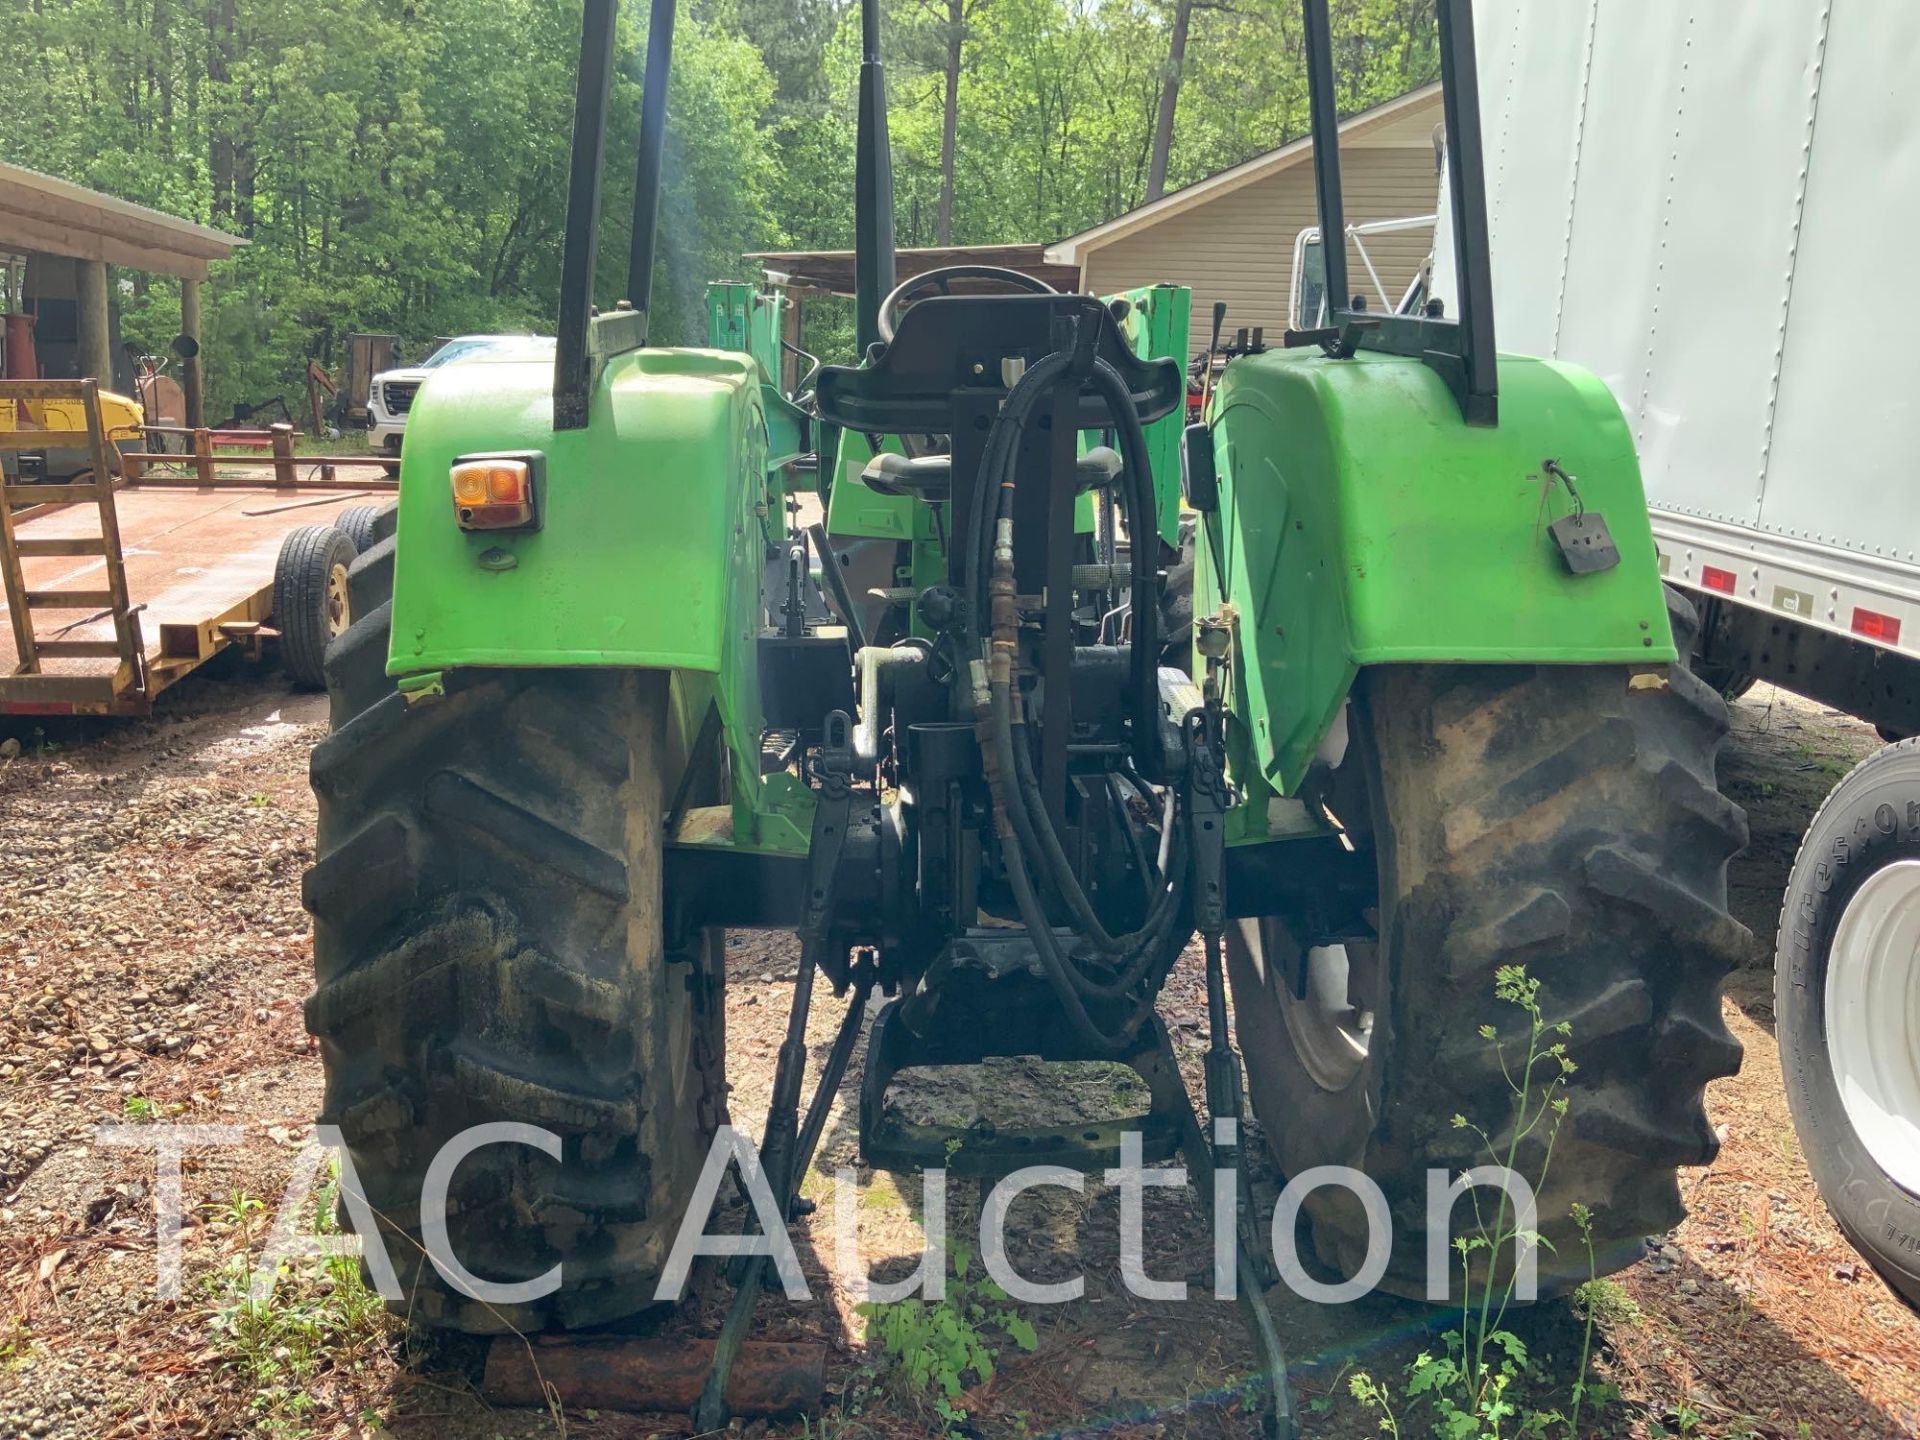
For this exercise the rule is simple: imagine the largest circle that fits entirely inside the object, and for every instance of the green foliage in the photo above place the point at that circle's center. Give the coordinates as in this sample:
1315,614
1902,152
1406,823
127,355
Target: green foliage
402,167
16,1342
395,168
937,1345
1479,1387
321,1317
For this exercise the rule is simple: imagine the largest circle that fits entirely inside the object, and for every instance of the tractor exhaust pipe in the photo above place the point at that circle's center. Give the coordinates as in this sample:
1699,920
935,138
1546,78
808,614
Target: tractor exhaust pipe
572,370
653,147
872,188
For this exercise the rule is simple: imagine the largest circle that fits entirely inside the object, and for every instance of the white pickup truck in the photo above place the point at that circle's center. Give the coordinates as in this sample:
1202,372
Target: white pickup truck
390,393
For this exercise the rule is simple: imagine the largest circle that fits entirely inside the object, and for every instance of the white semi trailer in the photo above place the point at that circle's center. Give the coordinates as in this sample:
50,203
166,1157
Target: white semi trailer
1714,206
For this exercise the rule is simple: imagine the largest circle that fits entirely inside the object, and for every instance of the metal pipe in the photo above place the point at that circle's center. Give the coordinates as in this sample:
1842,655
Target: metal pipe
653,145
192,385
1325,112
572,367
874,269
870,662
837,588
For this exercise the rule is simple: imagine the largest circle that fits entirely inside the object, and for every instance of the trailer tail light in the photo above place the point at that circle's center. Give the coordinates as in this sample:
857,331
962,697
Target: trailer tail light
497,492
1714,578
1875,626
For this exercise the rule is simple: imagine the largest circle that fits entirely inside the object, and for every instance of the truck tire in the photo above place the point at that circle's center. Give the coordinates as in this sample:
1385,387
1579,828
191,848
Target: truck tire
1847,1007
1561,817
311,604
488,947
361,523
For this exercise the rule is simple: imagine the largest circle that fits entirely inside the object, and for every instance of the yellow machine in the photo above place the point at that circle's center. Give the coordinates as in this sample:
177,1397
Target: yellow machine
63,463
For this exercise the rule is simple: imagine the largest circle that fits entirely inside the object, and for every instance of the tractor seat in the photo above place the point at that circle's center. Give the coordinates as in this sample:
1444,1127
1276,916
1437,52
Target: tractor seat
930,477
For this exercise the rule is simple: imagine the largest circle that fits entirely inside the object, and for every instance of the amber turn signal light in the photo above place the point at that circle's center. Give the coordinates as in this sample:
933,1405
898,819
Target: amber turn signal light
497,492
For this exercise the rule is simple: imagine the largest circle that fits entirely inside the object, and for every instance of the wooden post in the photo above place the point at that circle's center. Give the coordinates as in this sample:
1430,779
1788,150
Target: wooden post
203,454
190,369
282,453
769,1378
90,297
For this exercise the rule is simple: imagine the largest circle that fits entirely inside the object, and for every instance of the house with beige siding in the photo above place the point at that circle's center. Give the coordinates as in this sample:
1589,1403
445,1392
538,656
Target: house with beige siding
1233,236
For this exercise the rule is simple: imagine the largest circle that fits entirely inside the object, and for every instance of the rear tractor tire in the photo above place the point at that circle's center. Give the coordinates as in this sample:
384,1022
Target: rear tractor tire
488,947
1563,818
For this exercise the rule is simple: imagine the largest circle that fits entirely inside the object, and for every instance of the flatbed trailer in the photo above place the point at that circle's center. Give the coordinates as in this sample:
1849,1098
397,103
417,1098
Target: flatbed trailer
115,592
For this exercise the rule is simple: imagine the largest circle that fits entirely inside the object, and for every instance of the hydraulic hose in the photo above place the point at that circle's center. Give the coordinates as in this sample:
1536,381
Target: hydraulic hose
1033,827
1058,865
1149,953
1026,831
995,502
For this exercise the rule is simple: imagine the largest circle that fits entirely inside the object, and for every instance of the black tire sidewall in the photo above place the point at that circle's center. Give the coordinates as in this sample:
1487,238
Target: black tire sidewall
360,525
306,561
1331,1126
1847,843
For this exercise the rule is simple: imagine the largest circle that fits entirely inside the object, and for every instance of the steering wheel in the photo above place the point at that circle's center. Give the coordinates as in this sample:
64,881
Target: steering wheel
940,279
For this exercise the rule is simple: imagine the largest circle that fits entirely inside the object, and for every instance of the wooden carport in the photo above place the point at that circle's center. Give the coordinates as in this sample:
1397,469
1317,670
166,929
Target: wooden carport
43,215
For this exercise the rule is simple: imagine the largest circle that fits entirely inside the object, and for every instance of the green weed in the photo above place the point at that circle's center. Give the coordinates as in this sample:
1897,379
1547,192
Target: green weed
320,1318
936,1345
1472,1389
16,1342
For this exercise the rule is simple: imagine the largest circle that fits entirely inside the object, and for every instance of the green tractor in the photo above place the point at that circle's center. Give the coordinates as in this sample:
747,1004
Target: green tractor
596,709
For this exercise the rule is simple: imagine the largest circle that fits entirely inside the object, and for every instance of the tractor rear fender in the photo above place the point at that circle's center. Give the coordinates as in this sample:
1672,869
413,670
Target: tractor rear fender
1360,522
653,522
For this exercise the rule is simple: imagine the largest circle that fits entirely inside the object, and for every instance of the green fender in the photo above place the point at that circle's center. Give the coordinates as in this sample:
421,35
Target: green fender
654,523
1361,522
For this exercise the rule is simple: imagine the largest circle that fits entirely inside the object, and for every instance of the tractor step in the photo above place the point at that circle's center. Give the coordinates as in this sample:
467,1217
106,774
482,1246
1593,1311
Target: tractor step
1005,1013
777,749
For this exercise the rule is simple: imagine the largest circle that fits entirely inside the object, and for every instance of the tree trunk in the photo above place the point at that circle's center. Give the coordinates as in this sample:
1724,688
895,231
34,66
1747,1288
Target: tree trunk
1169,101
220,108
950,121
162,71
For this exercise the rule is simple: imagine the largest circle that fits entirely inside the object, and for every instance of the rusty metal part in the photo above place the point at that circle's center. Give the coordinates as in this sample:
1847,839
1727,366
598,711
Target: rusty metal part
768,1378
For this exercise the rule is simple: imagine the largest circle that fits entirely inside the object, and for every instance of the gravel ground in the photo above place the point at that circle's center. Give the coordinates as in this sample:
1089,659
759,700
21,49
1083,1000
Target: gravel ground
153,958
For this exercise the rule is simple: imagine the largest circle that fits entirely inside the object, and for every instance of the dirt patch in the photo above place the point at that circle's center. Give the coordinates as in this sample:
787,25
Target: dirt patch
153,958
1781,759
